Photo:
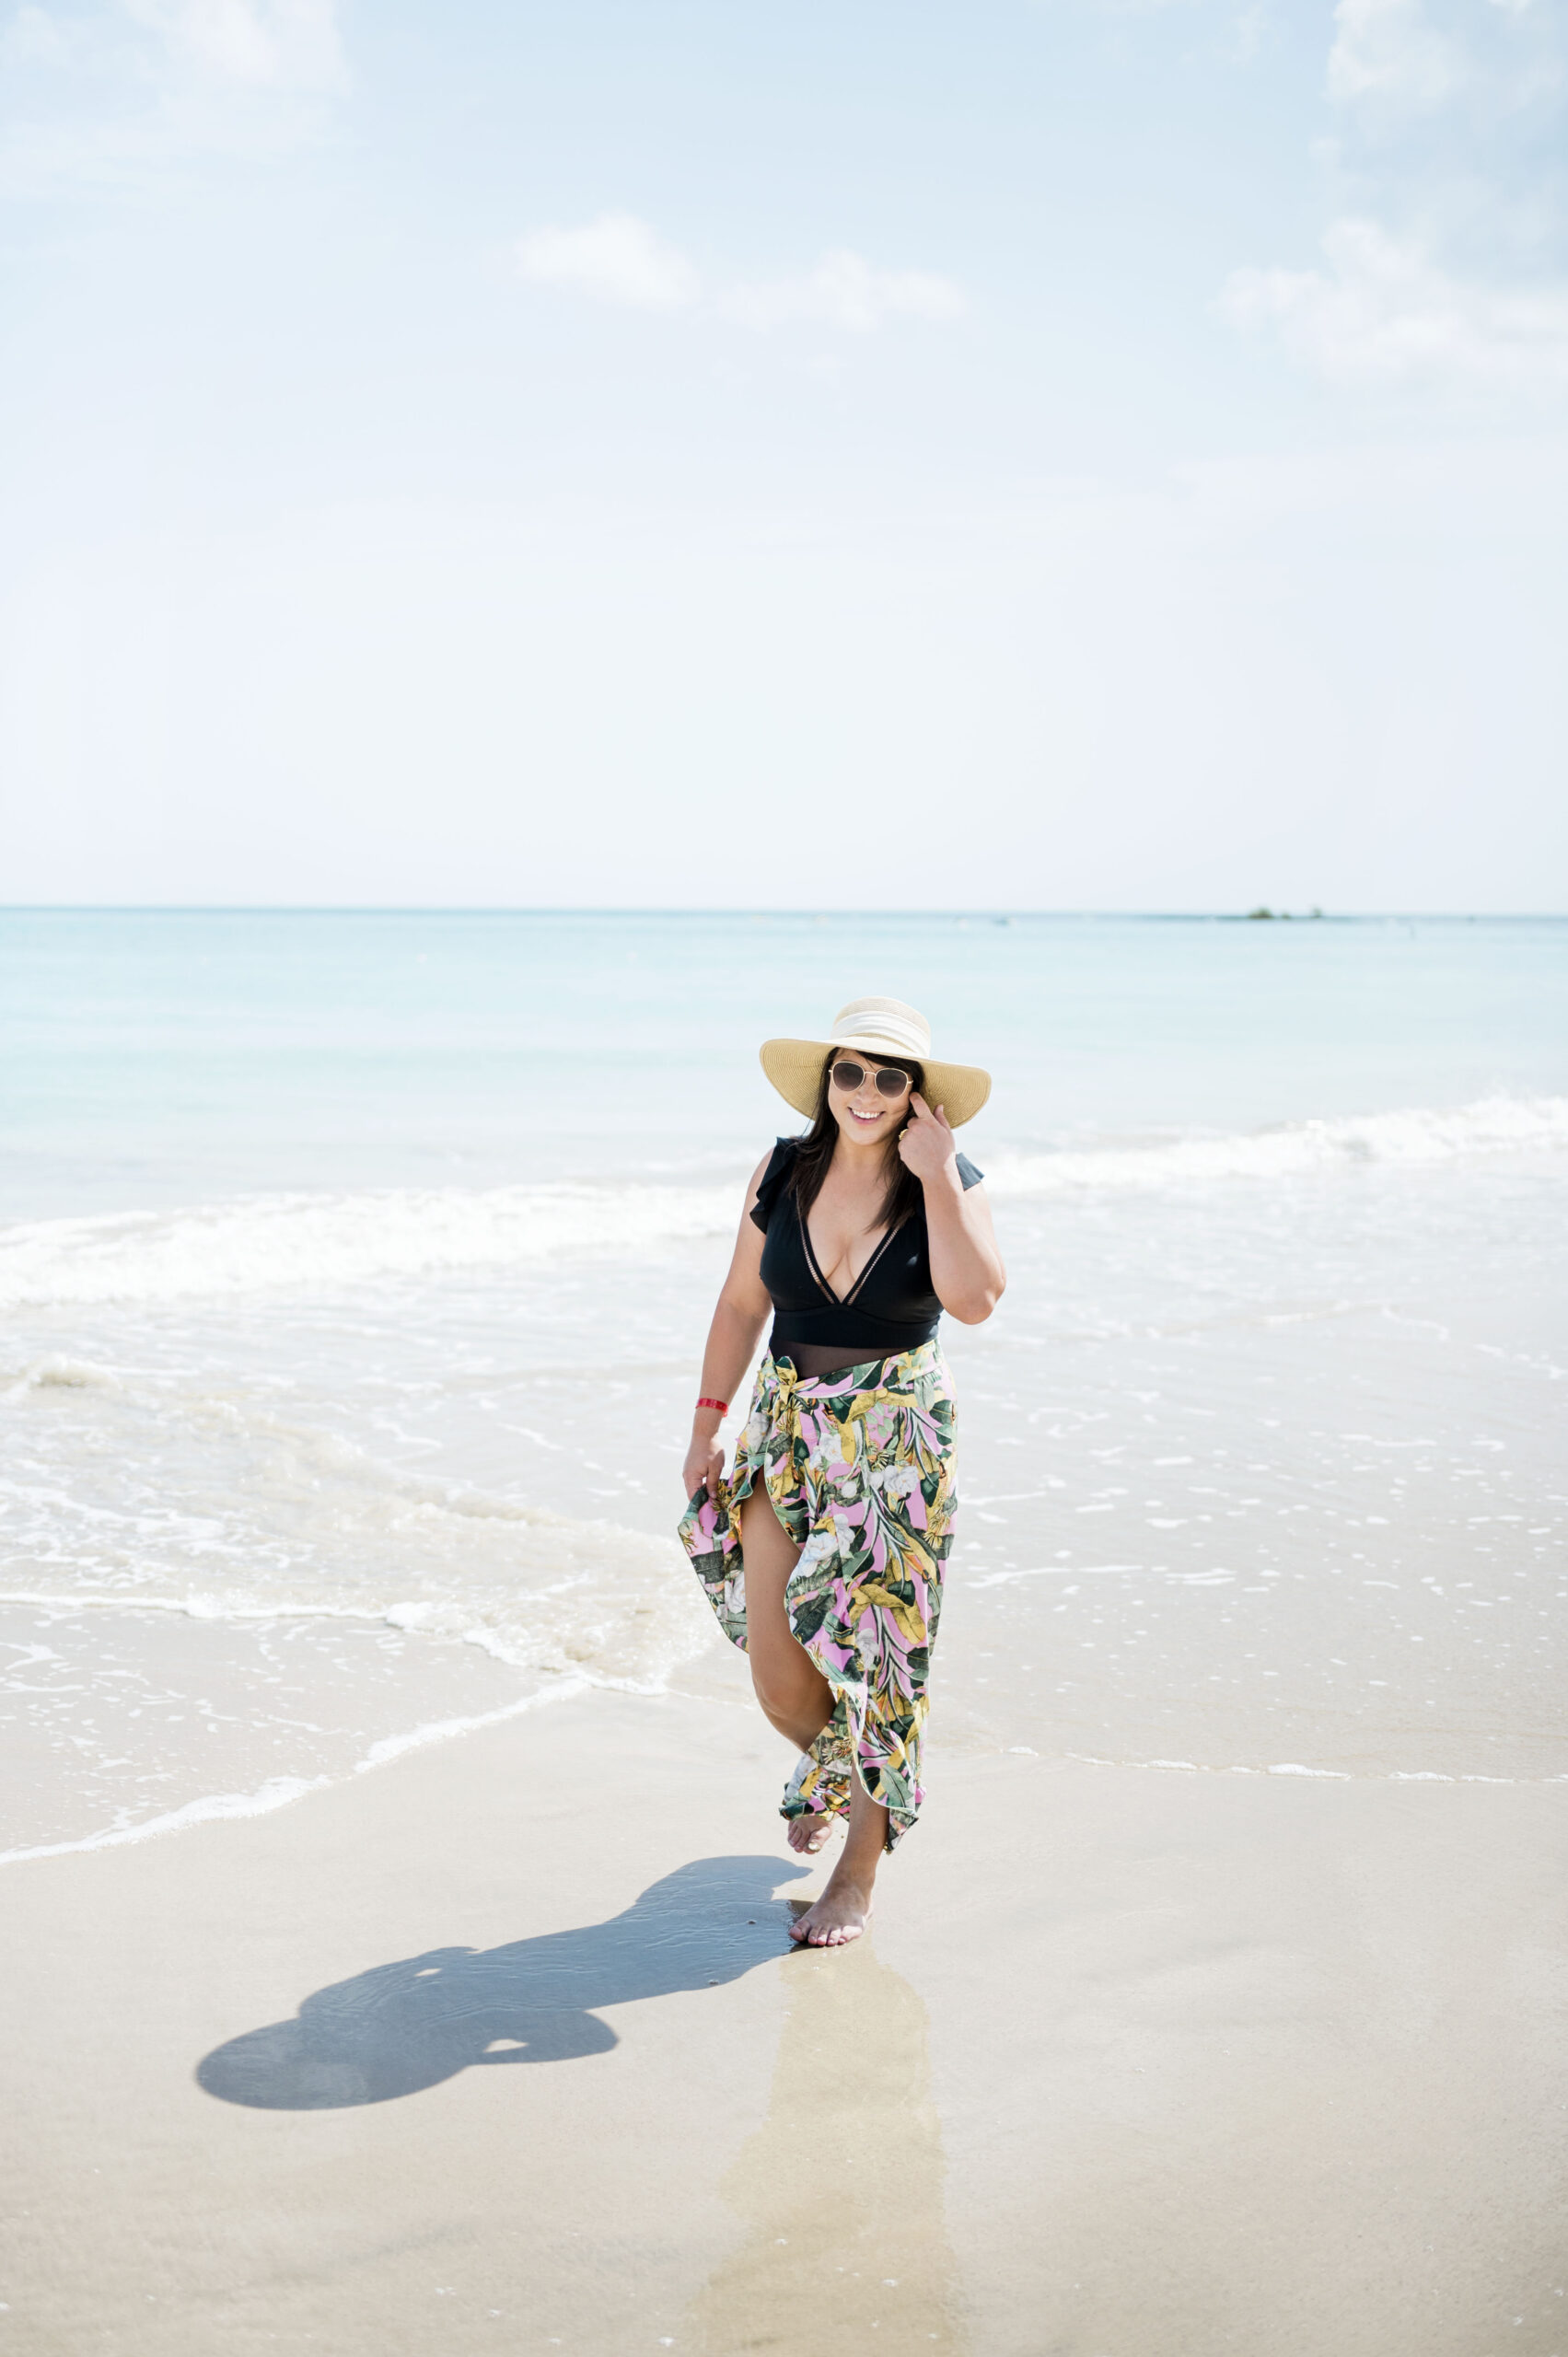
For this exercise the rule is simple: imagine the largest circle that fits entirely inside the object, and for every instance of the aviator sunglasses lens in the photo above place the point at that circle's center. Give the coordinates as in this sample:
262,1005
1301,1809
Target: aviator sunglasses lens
849,1076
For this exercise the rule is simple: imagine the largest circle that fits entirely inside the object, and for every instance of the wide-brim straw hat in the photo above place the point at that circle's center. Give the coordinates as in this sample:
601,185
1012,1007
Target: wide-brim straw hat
884,1028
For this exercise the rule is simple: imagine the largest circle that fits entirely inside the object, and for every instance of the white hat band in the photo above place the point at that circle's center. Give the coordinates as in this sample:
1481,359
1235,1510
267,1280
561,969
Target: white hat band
887,1022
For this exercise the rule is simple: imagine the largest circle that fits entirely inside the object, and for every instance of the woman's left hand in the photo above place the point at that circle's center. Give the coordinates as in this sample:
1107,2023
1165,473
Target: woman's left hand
927,1146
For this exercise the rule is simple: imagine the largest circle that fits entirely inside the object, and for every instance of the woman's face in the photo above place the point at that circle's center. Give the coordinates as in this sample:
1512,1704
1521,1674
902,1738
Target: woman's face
865,1115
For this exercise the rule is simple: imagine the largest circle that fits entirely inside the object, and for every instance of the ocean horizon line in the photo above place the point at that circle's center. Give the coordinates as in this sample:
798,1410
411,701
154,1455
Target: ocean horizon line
994,915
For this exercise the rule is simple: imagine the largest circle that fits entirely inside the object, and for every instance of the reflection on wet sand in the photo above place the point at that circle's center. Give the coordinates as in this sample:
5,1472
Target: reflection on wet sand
841,2188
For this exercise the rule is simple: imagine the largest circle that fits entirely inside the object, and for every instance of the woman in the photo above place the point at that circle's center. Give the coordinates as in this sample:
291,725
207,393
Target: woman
823,1554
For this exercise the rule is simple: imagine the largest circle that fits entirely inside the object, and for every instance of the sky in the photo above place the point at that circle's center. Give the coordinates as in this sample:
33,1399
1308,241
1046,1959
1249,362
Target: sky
1036,454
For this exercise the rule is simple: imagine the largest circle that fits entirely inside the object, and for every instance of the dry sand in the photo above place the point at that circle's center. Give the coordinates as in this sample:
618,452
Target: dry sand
502,2047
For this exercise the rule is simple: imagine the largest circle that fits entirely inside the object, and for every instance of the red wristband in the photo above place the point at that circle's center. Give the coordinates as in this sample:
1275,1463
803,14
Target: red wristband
722,1405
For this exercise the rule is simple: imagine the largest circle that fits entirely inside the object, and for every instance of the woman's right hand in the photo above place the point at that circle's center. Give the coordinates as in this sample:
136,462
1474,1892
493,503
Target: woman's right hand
704,1465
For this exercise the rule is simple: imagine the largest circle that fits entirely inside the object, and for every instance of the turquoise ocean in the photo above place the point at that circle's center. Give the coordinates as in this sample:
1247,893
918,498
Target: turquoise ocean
354,1270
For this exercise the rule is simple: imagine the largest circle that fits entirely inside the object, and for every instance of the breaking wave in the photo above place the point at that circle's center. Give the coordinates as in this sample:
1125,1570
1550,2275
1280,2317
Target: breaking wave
322,1242
1417,1135
328,1242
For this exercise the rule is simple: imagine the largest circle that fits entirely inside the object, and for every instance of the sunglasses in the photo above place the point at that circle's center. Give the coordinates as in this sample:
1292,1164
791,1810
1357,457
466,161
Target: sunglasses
890,1081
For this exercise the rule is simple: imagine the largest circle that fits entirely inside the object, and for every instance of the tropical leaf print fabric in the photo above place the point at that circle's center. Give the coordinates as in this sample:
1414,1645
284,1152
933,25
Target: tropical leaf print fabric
860,1469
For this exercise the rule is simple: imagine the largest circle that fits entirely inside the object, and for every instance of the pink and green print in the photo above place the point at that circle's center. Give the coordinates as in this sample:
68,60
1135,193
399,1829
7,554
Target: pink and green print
860,1469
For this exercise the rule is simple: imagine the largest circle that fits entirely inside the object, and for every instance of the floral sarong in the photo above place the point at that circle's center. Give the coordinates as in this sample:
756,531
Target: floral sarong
860,1469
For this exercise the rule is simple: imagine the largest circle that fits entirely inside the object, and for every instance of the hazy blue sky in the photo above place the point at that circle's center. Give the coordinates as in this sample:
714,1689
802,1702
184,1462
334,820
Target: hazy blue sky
1041,454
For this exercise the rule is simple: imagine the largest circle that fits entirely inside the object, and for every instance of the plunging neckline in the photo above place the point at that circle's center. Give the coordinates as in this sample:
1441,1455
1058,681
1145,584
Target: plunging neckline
843,1301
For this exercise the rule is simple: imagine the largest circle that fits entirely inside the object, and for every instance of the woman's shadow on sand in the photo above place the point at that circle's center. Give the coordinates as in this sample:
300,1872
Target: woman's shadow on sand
402,2026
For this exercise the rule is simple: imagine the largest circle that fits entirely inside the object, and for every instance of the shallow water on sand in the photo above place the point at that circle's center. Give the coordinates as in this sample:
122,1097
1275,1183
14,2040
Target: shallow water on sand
313,1447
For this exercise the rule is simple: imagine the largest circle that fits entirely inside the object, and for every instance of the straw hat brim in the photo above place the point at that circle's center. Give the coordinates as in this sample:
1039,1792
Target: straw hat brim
794,1067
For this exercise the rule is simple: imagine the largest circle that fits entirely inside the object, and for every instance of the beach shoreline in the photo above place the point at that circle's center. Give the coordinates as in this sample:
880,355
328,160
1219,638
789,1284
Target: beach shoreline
1216,2000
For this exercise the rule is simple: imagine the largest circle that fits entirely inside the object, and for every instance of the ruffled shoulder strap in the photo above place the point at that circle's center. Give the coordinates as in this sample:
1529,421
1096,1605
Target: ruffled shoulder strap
774,1179
968,1173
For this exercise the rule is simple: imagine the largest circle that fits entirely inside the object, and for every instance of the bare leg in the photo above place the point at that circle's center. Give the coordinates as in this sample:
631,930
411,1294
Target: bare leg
844,1908
795,1696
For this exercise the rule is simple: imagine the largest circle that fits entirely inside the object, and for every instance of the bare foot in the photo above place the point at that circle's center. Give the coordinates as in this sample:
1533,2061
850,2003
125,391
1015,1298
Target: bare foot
807,1834
839,1916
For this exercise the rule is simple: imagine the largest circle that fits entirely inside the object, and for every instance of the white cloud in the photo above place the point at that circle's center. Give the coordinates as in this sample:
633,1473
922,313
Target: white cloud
616,259
278,44
32,37
1386,49
1384,313
845,291
119,94
619,259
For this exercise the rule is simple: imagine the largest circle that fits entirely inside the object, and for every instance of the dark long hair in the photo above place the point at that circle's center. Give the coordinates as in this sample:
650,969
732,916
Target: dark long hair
903,1194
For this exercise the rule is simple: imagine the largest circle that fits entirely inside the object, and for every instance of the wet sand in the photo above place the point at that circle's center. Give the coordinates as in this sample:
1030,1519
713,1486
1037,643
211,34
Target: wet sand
502,2047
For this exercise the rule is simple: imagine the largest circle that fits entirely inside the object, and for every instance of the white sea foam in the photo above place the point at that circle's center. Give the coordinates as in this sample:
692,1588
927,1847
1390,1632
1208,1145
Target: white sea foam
1295,1768
325,1242
276,1793
199,1607
322,1242
261,1518
1412,1137
279,1791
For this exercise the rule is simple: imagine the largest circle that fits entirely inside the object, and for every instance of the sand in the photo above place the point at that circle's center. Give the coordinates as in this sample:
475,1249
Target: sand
502,2047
